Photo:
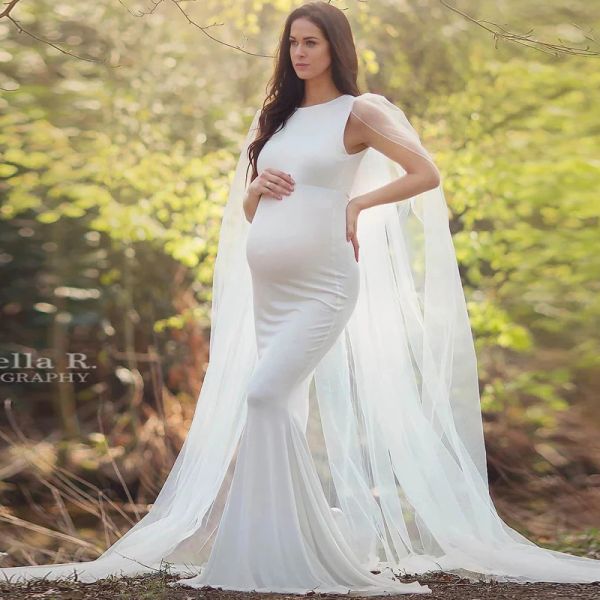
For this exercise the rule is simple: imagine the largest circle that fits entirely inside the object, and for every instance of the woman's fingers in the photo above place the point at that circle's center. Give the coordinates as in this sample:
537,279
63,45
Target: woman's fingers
287,178
276,183
351,223
355,244
278,190
351,237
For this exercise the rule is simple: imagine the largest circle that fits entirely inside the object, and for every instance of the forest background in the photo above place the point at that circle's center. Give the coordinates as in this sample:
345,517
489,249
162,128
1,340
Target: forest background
120,125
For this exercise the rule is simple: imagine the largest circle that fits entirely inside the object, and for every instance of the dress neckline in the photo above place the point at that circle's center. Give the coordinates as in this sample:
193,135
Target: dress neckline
322,103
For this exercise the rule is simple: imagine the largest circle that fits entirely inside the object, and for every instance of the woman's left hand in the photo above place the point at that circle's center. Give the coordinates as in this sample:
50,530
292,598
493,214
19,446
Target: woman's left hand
352,212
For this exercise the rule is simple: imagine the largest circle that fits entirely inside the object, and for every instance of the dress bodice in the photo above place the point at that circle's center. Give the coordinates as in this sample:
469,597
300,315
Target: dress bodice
310,146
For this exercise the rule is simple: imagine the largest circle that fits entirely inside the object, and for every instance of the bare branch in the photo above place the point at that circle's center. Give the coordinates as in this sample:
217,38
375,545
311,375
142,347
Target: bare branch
139,13
204,31
142,13
6,14
9,6
526,39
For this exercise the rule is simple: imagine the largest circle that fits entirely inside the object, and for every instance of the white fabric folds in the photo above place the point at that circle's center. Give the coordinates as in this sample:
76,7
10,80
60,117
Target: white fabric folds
395,426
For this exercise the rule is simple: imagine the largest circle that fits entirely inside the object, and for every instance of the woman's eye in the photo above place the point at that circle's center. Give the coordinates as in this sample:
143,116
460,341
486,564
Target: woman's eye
309,43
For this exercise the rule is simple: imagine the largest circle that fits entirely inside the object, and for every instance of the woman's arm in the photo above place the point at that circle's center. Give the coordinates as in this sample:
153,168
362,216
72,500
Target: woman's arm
421,173
374,123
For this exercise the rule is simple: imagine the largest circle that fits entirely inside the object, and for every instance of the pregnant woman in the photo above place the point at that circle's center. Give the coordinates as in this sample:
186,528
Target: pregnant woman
337,441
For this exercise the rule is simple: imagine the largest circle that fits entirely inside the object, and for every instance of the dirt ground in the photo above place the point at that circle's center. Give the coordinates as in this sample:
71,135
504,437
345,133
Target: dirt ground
155,587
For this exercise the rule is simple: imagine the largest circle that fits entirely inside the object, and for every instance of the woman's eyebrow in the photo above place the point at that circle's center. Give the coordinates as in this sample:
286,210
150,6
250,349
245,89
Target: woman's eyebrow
308,37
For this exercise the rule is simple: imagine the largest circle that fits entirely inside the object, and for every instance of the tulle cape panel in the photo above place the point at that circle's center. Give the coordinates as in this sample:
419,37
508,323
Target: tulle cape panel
399,401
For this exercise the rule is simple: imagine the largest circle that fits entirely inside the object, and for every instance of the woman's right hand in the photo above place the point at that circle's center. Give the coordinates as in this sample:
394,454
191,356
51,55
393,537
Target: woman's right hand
273,183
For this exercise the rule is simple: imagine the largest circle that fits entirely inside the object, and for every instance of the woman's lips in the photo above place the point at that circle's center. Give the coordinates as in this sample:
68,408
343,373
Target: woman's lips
301,66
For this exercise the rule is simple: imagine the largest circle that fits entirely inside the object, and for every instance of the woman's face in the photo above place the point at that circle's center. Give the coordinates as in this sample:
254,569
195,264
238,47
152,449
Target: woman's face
309,50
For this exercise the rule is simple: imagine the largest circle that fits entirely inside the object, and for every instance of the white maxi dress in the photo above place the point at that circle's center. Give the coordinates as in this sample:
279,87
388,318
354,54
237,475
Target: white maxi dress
278,531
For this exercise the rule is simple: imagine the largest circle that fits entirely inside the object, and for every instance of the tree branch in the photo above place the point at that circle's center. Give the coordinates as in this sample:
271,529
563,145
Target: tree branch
6,14
525,39
204,31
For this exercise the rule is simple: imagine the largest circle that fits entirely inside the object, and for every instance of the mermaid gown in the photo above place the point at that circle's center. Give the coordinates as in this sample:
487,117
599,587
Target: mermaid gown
277,531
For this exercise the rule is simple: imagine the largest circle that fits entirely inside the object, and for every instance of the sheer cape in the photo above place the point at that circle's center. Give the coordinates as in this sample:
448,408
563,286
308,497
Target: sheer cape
395,426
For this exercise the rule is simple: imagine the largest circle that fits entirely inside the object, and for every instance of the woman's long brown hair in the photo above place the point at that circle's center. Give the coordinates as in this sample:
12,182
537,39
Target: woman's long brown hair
286,89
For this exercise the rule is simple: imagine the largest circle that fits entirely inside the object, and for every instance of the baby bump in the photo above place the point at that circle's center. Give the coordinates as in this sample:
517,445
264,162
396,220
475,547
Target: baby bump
303,233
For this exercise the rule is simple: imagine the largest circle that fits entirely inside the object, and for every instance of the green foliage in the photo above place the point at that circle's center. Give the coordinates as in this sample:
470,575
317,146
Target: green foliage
535,395
522,181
